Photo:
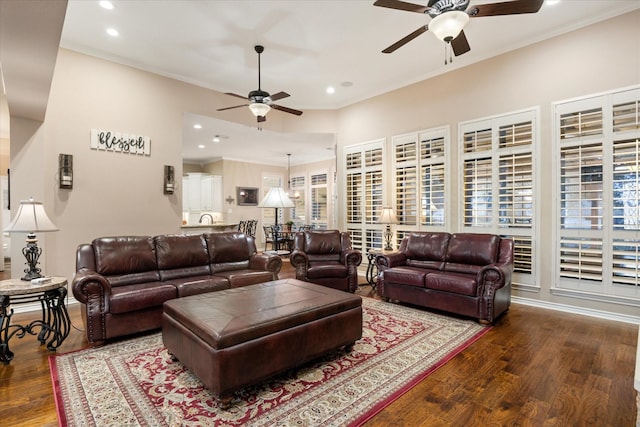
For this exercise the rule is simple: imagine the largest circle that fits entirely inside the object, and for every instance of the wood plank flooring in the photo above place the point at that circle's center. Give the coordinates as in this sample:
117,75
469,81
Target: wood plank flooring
536,367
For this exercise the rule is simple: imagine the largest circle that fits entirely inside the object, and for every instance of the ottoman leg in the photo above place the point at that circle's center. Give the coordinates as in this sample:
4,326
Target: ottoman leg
349,347
224,402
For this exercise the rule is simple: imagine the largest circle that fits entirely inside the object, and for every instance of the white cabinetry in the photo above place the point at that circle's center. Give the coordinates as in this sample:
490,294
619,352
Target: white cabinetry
202,193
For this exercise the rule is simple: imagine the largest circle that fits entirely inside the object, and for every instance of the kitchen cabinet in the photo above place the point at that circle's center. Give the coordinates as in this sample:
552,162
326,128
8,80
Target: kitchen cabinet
202,193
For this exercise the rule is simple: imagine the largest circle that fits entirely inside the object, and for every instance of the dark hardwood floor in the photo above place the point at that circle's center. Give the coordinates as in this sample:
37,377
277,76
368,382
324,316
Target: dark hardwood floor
536,367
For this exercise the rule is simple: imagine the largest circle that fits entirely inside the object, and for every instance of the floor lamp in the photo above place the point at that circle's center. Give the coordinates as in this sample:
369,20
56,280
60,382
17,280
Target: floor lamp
276,198
31,218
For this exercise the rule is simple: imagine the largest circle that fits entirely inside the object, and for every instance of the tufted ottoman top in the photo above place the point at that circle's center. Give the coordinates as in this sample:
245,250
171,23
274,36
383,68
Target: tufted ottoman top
233,316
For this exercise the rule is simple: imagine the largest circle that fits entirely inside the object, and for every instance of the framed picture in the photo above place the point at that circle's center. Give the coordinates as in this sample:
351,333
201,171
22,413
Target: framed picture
247,196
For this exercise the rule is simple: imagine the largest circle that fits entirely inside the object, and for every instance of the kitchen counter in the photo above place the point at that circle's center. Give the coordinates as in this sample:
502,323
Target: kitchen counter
207,228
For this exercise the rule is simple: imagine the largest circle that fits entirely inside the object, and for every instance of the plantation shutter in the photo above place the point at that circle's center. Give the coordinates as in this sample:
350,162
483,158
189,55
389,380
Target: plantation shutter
598,216
499,186
364,187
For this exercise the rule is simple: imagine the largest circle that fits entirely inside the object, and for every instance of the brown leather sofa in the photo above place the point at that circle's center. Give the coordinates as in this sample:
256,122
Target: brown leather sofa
325,257
462,273
122,282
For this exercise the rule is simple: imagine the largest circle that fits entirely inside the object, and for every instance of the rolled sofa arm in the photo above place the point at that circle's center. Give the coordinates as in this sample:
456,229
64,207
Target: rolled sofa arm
300,261
272,263
352,257
394,259
93,290
494,276
87,285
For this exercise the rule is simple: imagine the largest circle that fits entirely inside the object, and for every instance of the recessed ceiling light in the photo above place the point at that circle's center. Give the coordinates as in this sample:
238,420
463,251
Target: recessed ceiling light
330,90
113,32
200,146
106,4
197,126
216,139
346,84
552,1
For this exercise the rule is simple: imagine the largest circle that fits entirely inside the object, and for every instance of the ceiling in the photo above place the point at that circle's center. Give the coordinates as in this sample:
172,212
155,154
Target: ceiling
309,45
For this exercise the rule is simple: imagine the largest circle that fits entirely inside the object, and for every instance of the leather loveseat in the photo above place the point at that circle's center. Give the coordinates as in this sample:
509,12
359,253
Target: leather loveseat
463,273
122,282
325,257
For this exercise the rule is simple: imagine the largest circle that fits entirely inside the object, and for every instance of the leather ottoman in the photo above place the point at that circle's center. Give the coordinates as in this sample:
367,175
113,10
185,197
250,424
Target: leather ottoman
238,337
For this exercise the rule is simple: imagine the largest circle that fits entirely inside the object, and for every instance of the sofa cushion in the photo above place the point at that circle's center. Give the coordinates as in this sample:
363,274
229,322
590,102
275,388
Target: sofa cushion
127,298
427,250
412,276
323,243
463,284
199,284
238,278
227,247
130,259
327,269
181,256
470,249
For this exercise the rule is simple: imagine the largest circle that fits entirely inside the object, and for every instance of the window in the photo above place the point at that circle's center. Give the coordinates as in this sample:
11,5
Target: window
364,184
420,192
298,192
498,184
319,205
269,215
598,215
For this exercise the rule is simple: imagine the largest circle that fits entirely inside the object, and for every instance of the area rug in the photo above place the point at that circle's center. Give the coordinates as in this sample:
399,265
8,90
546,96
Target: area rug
135,382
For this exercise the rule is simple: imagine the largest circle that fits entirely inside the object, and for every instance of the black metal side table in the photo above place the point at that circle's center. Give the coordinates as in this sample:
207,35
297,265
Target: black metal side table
372,268
52,328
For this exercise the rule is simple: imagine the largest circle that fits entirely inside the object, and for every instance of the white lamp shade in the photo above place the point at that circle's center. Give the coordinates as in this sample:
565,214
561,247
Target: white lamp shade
31,218
259,109
448,25
387,216
276,198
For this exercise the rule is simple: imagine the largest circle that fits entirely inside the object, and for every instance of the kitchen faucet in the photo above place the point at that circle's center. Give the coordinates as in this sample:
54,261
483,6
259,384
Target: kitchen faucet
203,215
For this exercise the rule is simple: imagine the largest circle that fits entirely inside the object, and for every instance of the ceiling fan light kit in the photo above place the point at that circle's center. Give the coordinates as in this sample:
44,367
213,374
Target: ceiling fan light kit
447,26
449,17
259,109
261,102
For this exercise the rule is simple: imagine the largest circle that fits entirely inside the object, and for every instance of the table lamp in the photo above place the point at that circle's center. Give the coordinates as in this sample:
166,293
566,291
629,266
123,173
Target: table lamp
387,217
31,218
276,198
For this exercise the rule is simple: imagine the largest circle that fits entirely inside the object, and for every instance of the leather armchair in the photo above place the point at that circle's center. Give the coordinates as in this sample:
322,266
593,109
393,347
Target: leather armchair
325,257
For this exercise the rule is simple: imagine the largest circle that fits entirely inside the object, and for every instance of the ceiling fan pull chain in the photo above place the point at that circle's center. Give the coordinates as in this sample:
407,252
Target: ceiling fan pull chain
445,54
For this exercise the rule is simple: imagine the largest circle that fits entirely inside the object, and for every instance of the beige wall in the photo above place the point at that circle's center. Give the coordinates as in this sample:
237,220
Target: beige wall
113,194
598,58
116,194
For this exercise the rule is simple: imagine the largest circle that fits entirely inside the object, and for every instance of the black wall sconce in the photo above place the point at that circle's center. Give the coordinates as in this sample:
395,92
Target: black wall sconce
65,170
169,179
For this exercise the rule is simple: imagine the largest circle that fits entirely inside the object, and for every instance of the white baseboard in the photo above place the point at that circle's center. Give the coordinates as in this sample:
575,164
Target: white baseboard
577,310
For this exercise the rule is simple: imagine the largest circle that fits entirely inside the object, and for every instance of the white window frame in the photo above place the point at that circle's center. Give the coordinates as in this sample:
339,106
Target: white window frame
319,223
366,234
270,180
416,138
493,152
581,286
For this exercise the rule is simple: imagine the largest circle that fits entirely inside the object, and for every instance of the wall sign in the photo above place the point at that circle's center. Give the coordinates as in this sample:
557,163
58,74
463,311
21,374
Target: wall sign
120,142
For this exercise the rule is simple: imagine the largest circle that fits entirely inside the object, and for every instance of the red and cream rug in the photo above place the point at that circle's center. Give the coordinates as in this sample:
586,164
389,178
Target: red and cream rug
135,382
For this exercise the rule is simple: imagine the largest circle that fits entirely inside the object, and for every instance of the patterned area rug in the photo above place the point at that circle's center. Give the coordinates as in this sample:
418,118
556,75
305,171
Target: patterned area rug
135,382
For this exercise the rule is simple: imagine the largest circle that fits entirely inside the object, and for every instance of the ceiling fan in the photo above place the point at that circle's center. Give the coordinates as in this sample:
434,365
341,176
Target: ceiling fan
260,102
448,18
